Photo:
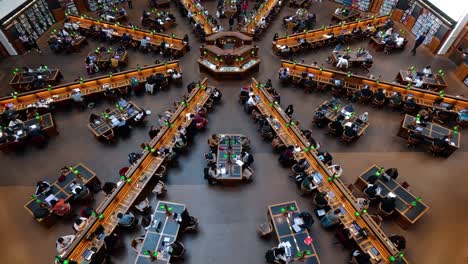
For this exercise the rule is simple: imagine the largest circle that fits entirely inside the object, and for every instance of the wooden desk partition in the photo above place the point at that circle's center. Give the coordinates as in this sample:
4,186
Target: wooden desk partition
137,34
138,176
318,34
87,87
264,11
423,97
199,16
23,82
340,197
408,208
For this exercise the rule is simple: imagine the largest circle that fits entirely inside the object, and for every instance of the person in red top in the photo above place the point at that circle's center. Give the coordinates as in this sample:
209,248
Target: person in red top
60,207
245,6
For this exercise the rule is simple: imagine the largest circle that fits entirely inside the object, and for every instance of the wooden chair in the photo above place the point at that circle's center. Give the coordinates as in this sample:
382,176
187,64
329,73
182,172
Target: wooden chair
265,229
377,219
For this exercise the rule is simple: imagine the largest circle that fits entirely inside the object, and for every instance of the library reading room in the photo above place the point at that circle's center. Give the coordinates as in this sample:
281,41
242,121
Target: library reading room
233,131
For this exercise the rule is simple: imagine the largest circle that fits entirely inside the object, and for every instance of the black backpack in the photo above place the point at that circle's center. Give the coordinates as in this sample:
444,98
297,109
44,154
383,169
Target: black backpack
270,256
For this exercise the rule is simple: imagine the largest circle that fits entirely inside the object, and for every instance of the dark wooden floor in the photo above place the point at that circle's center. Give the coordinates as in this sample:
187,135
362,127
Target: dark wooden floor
229,216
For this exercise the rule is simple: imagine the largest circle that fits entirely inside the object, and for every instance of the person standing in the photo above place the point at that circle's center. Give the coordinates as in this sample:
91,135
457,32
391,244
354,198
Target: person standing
130,4
418,42
33,45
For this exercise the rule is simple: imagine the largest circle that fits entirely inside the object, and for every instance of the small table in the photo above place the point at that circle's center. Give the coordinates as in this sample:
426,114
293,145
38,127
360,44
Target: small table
229,151
23,82
332,113
162,232
105,125
61,190
408,213
350,15
45,122
282,216
430,132
434,83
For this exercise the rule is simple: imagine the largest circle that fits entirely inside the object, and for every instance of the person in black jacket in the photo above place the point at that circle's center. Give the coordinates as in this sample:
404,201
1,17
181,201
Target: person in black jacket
418,43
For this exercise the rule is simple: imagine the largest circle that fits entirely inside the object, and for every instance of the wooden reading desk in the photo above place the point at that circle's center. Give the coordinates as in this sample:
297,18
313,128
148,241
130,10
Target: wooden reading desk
160,234
424,98
57,94
106,124
23,82
356,58
339,196
198,15
332,113
317,38
45,123
430,131
433,83
175,44
302,248
408,208
137,178
61,190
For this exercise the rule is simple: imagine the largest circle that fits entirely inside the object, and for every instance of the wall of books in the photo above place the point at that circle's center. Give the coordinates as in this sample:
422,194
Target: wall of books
362,5
426,22
387,6
35,20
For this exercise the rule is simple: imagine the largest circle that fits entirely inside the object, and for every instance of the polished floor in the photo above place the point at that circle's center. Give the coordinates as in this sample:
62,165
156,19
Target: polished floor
229,216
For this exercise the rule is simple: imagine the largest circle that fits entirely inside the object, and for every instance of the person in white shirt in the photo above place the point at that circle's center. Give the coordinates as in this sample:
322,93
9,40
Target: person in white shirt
364,117
77,96
149,88
15,122
427,71
342,63
262,22
418,82
338,11
362,203
399,41
388,32
63,243
176,75
284,74
80,224
335,170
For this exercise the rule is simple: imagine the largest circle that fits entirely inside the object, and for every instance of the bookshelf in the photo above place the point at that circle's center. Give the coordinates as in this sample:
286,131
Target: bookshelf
426,22
363,5
387,6
35,20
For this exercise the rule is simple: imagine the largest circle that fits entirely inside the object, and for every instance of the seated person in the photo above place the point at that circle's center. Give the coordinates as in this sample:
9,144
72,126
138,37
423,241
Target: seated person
427,71
277,255
80,224
366,92
41,187
213,141
379,95
398,241
247,158
342,63
126,220
335,170
187,221
418,82
361,257
211,173
308,185
410,103
325,157
284,74
331,218
396,98
60,207
441,143
80,192
320,200
388,204
287,157
337,126
210,157
307,219
399,41
351,131
364,117
63,243
372,191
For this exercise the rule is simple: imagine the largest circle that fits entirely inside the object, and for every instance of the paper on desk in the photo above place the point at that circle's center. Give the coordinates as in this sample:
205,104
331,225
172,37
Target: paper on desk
287,244
298,221
167,239
390,194
296,228
50,198
223,170
320,212
239,162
